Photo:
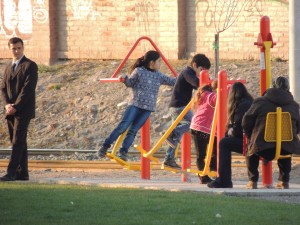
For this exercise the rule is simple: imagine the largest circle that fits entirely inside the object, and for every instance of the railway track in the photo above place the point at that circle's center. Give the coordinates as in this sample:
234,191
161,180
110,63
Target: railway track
83,165
237,161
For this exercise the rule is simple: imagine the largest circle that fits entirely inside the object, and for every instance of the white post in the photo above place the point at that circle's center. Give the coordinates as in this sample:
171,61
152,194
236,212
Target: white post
294,49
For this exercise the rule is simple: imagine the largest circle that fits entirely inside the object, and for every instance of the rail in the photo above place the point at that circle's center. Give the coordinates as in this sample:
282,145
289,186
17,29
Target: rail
79,165
96,165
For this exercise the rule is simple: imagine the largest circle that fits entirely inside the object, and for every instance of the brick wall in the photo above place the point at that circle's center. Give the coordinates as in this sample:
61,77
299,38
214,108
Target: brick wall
106,29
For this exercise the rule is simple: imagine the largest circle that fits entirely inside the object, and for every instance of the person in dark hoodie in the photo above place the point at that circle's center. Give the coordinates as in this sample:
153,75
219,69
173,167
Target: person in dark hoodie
254,127
239,101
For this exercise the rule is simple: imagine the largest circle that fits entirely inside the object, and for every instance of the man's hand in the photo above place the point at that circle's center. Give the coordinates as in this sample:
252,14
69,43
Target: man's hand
9,109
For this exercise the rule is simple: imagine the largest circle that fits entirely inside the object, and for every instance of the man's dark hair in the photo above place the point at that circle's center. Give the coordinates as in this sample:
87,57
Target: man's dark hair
15,40
201,60
282,83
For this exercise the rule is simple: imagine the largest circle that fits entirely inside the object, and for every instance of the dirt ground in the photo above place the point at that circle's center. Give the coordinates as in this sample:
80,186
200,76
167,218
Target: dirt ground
76,111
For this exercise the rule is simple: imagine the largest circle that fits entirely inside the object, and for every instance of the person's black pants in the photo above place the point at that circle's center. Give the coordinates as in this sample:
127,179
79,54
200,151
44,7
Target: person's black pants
201,141
17,128
226,146
284,165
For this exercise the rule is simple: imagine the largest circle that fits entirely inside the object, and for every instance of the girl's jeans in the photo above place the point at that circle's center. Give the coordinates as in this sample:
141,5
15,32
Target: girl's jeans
134,118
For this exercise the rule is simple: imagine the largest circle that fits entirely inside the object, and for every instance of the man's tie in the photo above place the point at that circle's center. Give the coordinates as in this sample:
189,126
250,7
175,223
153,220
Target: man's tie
13,67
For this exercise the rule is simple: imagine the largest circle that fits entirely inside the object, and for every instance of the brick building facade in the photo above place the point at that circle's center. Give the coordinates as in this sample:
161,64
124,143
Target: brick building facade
106,29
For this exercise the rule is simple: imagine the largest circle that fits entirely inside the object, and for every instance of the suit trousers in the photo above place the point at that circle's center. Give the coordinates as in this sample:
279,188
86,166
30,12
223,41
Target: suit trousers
17,128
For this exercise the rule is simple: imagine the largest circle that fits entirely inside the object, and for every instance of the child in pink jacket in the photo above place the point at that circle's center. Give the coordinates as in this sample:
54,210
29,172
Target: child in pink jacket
204,107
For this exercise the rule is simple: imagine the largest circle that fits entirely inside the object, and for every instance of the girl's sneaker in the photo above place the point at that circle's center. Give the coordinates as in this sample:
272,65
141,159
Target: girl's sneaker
102,152
171,163
123,156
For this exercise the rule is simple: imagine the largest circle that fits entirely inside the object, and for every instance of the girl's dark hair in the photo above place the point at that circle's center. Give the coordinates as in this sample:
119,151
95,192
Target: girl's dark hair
237,92
197,95
145,60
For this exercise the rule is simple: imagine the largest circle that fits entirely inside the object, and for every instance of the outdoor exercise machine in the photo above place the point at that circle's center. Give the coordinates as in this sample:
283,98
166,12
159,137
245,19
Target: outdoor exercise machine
265,43
186,139
220,119
219,124
145,130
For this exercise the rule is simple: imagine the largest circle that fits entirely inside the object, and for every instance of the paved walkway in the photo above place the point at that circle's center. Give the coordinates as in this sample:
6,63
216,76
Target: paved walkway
172,184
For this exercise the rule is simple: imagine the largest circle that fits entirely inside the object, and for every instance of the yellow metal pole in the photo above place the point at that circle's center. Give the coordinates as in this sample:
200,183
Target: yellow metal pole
169,130
118,143
268,45
206,170
278,132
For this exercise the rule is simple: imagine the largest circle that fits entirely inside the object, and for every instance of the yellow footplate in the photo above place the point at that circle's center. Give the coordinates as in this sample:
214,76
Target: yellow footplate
142,151
211,174
129,166
163,167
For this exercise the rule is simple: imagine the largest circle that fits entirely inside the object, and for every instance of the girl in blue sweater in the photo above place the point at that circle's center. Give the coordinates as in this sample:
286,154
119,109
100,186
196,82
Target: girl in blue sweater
145,80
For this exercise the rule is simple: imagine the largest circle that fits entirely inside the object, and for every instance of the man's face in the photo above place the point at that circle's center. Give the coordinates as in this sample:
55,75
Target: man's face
16,50
197,69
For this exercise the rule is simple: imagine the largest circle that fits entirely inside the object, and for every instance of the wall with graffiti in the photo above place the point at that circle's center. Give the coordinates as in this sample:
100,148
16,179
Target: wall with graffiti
18,16
239,28
106,29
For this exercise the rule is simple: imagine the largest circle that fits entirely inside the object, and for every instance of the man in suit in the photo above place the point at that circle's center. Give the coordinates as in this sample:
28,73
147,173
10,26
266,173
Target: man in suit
18,96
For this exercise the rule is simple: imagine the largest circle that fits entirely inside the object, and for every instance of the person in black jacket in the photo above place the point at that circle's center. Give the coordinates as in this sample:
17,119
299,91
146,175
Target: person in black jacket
187,81
254,127
239,101
18,96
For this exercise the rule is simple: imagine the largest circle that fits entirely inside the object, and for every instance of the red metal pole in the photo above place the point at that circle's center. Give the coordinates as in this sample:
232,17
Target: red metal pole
106,80
134,46
234,81
186,156
186,139
265,27
145,142
264,35
222,108
204,78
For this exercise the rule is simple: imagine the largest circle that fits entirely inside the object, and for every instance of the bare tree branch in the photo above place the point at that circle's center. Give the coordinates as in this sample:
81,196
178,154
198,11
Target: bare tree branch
227,12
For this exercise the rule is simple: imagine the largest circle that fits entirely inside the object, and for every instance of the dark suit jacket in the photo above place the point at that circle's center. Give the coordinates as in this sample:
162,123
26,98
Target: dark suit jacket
19,87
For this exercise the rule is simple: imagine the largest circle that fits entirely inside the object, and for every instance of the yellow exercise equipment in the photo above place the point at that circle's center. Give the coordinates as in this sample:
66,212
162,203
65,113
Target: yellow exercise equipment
278,129
113,156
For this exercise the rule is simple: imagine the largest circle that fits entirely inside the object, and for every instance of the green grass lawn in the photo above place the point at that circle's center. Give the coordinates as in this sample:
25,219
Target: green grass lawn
37,204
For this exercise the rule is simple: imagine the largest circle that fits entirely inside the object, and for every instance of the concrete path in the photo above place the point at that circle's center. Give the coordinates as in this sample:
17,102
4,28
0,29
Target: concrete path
173,184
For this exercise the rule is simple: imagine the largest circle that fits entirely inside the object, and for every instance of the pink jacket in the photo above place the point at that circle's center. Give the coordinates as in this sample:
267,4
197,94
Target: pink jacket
202,119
